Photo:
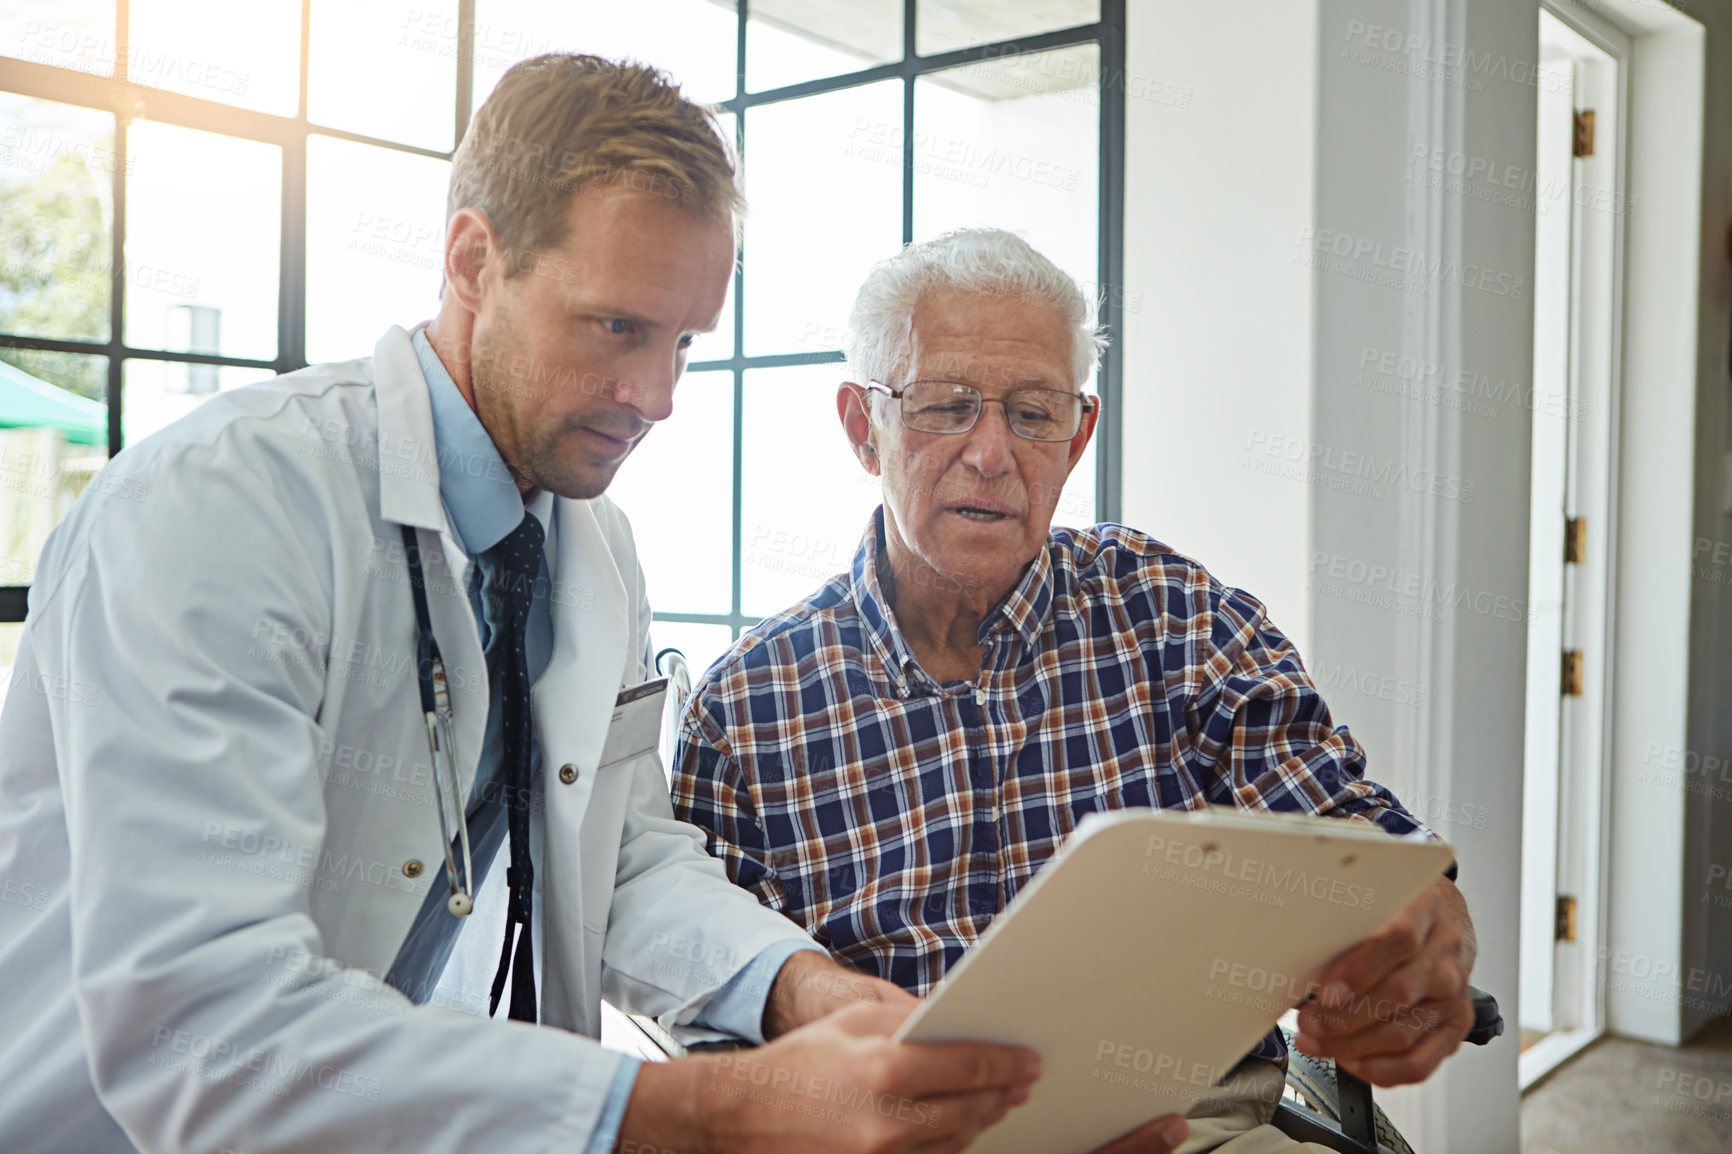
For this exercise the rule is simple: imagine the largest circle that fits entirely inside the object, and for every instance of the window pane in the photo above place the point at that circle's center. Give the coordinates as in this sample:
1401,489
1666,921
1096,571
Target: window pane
701,644
694,40
76,34
155,394
805,498
677,487
247,55
946,25
824,178
1015,144
203,239
719,345
989,152
365,55
788,41
53,439
56,219
375,244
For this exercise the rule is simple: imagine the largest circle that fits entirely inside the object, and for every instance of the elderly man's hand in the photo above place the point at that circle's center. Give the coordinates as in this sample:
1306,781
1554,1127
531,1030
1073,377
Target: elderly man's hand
1392,1008
810,986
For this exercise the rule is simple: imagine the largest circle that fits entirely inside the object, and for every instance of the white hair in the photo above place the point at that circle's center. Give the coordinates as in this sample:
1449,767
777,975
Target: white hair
976,260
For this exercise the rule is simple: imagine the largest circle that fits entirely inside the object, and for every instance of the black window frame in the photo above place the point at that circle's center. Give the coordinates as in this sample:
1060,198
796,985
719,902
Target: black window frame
115,93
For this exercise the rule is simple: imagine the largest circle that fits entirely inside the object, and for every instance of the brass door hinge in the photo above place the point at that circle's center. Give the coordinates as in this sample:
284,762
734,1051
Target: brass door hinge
1583,145
1565,928
1572,680
1575,540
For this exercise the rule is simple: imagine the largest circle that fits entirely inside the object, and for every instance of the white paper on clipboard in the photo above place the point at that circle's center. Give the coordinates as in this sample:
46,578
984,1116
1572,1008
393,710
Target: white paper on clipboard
1155,949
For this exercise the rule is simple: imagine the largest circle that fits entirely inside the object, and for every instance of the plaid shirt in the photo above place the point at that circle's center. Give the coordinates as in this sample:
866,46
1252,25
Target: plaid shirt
893,817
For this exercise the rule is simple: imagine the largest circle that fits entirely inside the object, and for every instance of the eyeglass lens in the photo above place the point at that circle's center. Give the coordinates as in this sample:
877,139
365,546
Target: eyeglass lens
949,407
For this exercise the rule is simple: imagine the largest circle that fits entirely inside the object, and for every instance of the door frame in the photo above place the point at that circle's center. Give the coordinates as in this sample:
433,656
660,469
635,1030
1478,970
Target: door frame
1583,840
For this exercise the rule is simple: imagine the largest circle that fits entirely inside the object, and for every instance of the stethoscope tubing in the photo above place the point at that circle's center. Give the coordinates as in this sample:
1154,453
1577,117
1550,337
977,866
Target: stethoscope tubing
441,737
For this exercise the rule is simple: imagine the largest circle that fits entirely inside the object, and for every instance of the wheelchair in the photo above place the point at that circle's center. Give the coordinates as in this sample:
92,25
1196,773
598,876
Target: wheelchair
1321,1104
1333,1108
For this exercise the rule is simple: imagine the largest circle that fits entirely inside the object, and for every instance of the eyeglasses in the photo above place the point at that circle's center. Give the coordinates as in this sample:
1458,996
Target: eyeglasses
952,407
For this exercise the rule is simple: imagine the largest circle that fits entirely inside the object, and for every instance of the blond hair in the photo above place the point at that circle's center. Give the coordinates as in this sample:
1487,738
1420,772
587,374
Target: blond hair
558,122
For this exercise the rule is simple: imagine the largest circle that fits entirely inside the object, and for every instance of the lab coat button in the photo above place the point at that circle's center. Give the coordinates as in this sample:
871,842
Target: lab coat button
412,868
568,773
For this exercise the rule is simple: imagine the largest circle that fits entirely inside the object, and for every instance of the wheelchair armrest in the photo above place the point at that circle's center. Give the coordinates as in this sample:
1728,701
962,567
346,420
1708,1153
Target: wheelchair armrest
1487,1018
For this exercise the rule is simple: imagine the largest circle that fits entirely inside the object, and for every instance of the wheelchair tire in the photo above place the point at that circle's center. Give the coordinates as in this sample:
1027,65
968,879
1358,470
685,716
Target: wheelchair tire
1314,1080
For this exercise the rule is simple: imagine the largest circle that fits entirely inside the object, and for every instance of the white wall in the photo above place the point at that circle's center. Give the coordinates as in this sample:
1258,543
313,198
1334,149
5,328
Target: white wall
1217,322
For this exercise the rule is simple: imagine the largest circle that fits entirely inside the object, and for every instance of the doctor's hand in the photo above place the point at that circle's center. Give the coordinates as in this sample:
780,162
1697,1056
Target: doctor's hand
810,986
839,1085
1392,1008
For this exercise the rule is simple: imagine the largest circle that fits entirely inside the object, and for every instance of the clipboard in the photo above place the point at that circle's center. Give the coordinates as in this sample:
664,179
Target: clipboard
1155,949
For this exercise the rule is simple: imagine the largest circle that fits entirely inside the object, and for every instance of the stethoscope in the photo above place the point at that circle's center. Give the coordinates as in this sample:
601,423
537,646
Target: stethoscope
441,738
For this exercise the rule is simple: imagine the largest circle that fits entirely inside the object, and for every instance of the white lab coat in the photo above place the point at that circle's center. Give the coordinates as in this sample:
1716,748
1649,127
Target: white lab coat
213,771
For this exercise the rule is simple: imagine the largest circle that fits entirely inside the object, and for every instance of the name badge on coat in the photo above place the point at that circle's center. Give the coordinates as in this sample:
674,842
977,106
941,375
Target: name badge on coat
636,725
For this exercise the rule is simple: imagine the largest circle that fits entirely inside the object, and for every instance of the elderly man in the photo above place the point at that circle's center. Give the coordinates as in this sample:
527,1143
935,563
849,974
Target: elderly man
890,761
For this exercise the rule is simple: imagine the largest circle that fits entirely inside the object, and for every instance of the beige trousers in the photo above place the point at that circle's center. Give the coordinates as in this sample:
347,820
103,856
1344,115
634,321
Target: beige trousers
1236,1120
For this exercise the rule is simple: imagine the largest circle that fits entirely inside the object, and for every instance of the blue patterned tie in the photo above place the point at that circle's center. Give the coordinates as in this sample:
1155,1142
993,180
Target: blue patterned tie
517,562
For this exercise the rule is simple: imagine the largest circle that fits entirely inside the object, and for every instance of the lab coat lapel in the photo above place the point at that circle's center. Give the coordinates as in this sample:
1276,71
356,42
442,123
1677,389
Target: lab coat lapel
572,704
409,495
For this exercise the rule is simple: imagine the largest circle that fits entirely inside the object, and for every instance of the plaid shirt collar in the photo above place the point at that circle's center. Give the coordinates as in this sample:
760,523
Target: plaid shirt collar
1023,611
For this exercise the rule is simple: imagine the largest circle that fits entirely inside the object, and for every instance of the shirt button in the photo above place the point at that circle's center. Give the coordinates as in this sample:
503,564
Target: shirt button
568,773
412,868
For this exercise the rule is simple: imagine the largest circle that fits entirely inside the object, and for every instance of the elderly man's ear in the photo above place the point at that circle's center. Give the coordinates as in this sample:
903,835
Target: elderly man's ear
851,406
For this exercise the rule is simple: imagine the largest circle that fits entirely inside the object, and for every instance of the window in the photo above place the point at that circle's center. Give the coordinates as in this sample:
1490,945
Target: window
182,215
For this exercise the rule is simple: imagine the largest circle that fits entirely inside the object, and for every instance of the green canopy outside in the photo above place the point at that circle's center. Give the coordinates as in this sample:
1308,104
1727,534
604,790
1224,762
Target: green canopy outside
27,402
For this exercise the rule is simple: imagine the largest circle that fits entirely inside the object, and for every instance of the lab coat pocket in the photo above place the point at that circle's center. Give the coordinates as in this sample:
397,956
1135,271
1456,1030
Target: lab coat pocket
599,837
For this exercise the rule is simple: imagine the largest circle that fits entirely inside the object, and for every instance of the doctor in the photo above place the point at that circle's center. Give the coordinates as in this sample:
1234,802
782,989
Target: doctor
235,852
